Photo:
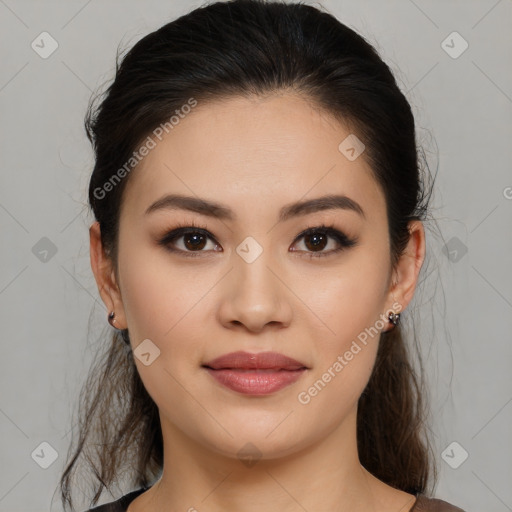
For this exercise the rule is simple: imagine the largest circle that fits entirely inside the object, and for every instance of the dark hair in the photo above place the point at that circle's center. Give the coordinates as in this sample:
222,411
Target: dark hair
243,48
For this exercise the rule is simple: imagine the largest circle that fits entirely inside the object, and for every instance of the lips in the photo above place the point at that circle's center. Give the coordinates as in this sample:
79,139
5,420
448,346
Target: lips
260,361
260,373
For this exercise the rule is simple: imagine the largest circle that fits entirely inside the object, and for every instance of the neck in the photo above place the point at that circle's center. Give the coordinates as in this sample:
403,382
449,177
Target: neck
325,475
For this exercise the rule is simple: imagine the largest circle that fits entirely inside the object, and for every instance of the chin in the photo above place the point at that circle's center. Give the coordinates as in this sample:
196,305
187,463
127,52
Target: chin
250,449
264,439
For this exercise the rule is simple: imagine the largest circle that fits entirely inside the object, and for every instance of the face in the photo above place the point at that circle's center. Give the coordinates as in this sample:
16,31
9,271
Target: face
246,278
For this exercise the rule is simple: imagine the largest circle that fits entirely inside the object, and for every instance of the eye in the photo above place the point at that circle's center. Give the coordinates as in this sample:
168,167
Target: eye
317,238
195,238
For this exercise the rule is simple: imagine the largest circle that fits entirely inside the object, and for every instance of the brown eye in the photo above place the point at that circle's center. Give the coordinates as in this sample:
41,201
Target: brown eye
194,241
317,239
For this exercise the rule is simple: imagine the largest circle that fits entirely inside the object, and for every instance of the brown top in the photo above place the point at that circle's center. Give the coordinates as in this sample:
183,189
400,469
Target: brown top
422,504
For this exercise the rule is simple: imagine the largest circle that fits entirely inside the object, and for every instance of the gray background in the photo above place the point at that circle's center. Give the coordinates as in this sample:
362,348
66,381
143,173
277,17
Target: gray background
49,302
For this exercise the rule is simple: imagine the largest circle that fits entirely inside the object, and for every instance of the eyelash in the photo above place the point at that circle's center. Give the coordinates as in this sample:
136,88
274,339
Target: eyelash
191,228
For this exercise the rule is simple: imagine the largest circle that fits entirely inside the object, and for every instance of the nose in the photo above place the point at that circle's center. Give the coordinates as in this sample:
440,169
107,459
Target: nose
255,296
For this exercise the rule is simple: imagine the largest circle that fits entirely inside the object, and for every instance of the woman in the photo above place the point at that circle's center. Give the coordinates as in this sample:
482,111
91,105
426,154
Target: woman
259,231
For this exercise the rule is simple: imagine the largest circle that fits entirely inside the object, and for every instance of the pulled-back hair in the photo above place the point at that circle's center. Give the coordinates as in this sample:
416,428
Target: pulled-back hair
242,48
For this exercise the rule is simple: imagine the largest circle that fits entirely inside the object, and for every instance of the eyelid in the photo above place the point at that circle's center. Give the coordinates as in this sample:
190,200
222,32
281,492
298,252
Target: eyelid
344,241
181,229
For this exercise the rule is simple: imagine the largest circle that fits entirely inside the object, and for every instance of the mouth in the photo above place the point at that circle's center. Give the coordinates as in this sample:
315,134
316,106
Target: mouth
256,374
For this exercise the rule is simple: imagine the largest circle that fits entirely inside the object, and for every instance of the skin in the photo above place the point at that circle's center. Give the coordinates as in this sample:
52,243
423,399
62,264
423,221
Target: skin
236,152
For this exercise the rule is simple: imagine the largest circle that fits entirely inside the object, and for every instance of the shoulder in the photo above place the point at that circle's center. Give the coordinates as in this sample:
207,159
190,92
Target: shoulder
424,504
119,505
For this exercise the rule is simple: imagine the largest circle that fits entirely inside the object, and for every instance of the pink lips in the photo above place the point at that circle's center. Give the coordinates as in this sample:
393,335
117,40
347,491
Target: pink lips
255,374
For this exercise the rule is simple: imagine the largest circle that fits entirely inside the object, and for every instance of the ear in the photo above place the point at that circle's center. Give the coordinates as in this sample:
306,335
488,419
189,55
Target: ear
105,277
406,272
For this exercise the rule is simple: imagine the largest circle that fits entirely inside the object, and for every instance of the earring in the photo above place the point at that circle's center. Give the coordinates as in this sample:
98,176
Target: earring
394,318
124,332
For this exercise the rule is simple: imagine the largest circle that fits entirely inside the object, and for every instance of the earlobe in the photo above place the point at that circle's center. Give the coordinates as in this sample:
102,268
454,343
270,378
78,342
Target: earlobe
105,277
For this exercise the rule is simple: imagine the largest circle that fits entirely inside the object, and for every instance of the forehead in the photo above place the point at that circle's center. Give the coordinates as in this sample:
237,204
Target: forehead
278,148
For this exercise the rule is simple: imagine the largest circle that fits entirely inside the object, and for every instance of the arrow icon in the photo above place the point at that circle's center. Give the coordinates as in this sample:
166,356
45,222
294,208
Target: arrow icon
453,254
44,455
249,249
147,352
454,455
44,45
351,147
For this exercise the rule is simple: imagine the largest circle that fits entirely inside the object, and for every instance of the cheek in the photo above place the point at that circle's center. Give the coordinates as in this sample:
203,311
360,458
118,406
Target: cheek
332,393
166,303
162,302
159,296
351,307
349,299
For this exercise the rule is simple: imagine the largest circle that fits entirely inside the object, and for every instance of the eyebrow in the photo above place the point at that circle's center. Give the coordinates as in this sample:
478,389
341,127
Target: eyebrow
216,210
